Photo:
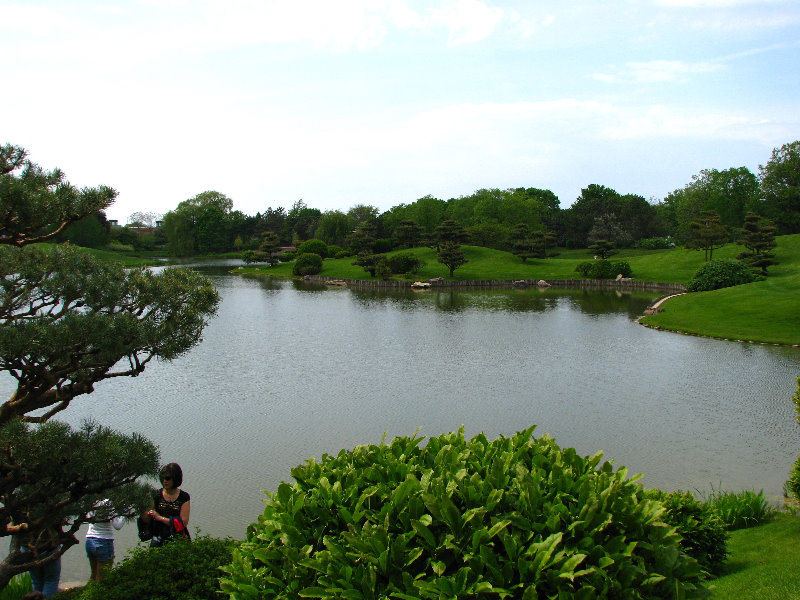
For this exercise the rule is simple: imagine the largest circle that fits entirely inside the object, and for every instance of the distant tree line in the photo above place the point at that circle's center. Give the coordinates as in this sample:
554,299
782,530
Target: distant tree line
527,221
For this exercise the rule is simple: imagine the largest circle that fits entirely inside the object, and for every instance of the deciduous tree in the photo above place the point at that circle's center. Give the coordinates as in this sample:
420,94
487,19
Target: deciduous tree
780,183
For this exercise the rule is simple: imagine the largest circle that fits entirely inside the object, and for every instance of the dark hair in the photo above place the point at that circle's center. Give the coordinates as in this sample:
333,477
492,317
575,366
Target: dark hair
173,470
34,595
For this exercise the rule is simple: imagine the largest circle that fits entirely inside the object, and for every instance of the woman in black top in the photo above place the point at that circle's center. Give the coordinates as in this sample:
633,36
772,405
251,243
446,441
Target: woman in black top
168,503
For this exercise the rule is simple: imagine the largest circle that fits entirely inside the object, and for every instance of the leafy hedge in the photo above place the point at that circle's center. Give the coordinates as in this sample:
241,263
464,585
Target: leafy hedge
604,269
180,570
515,517
718,274
704,533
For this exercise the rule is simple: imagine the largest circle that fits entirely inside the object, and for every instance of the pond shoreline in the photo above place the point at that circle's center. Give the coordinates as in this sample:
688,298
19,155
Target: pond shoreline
594,284
627,285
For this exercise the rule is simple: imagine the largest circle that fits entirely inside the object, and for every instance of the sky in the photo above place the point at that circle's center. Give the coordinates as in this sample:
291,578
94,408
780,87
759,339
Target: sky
381,102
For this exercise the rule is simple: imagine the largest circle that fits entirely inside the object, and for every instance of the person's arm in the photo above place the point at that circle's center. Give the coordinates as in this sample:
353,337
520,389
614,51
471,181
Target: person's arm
185,510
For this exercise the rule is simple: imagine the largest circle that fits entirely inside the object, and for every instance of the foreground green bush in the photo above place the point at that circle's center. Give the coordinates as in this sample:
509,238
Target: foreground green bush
17,588
717,274
517,517
704,534
792,486
185,570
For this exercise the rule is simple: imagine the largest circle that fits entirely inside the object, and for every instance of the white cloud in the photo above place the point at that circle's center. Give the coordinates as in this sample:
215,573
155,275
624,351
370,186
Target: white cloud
32,19
657,71
467,21
713,3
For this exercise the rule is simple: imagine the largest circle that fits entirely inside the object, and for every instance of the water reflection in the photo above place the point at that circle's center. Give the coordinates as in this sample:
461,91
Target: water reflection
508,300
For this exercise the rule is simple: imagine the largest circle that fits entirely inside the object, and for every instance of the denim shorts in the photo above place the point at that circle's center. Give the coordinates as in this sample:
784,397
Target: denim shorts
99,549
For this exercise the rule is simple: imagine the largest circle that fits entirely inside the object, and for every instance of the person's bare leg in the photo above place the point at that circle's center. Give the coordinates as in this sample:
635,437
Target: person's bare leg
102,568
93,569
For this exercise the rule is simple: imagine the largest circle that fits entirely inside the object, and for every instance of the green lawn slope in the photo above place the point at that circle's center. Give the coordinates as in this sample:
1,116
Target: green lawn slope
763,311
763,563
486,263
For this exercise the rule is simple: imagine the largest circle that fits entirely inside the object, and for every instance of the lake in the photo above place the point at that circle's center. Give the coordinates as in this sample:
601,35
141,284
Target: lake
287,371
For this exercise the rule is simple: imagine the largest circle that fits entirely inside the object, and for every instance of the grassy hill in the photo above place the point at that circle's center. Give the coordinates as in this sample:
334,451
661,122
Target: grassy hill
764,311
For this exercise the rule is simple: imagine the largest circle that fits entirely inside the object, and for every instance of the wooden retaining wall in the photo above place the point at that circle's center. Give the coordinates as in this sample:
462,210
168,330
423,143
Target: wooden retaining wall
595,284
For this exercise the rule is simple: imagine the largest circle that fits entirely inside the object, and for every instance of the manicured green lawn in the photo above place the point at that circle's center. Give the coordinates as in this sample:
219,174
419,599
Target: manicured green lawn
766,311
763,311
486,263
764,563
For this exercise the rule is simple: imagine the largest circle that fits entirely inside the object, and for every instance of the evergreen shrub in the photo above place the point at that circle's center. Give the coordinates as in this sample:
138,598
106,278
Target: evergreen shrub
254,256
383,245
718,274
307,264
287,256
313,246
655,243
404,262
604,269
515,517
181,569
705,536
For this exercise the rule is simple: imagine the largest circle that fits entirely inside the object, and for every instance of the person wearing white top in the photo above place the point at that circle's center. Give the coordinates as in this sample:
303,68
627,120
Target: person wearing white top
100,541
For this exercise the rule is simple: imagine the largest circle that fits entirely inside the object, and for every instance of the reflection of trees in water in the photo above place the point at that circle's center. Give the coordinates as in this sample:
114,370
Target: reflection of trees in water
450,300
531,300
603,302
402,299
307,286
268,283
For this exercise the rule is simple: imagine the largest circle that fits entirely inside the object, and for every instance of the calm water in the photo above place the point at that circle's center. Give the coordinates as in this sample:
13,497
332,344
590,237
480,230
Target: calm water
287,371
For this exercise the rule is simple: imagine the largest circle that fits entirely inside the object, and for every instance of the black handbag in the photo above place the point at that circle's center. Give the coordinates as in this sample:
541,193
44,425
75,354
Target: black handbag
145,529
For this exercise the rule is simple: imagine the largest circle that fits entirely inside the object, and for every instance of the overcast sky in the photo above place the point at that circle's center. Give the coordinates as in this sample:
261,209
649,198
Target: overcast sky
344,102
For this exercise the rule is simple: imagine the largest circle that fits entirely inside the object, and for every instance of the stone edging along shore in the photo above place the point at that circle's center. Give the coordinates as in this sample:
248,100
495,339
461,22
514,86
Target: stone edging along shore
599,284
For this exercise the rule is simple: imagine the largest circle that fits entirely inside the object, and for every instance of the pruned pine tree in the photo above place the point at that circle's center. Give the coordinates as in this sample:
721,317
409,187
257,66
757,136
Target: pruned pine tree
707,233
451,256
68,322
758,236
